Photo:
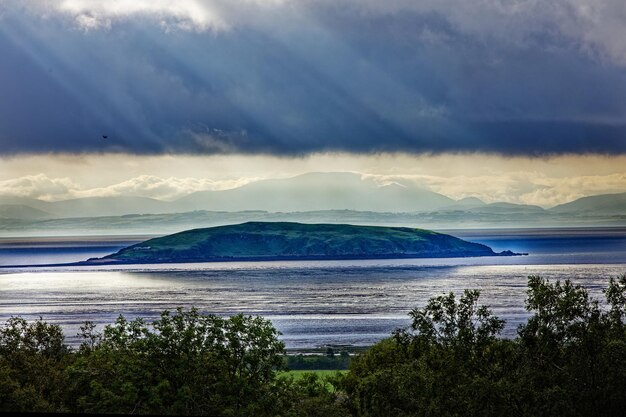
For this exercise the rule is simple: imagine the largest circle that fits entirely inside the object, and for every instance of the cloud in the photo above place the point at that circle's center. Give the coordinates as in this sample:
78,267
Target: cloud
37,186
290,78
595,26
520,187
515,186
161,188
52,189
184,14
169,15
553,191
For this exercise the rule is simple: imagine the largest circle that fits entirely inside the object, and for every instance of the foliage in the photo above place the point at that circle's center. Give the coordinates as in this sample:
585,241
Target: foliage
184,363
569,359
319,362
312,394
32,358
448,363
464,324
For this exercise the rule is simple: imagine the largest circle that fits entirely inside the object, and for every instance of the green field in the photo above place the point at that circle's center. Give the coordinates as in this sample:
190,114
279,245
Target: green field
322,373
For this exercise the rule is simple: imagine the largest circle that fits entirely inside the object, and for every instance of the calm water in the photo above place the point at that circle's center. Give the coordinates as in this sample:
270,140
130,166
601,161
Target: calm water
311,303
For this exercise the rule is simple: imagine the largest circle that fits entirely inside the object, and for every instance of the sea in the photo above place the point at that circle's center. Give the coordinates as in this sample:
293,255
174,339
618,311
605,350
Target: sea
313,304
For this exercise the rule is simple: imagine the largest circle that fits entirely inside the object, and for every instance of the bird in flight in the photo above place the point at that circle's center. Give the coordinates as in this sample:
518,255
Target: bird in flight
105,136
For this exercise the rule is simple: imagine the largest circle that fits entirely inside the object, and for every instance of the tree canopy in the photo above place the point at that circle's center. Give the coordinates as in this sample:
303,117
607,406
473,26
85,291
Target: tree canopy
568,359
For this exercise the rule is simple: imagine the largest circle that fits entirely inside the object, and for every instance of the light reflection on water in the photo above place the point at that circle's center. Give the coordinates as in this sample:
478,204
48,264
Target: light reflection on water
312,304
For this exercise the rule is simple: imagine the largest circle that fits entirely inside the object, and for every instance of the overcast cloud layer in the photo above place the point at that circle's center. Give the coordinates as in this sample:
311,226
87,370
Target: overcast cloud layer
516,187
541,181
291,77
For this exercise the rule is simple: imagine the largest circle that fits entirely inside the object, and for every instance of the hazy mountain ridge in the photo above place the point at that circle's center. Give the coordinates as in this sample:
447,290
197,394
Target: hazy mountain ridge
307,192
509,208
314,197
318,191
92,206
160,224
22,212
604,203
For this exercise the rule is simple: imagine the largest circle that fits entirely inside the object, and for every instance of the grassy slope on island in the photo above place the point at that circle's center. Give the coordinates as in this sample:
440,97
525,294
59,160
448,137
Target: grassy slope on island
280,240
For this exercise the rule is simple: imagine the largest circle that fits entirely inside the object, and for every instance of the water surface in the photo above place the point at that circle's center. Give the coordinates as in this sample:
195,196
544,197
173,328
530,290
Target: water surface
318,302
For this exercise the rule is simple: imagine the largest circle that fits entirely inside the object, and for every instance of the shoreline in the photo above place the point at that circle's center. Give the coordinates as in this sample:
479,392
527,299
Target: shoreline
104,262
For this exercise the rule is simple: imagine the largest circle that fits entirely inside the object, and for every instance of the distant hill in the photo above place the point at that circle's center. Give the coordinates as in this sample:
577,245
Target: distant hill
318,191
22,212
314,198
469,202
93,206
463,204
606,204
507,208
308,192
282,240
108,206
25,202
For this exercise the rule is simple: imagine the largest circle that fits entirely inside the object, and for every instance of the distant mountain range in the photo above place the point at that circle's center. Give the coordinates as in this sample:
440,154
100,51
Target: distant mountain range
604,204
325,197
313,191
318,191
23,212
86,207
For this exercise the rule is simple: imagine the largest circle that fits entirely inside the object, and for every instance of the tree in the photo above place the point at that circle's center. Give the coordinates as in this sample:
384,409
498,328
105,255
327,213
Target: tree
447,322
569,359
183,363
616,299
574,351
448,363
32,356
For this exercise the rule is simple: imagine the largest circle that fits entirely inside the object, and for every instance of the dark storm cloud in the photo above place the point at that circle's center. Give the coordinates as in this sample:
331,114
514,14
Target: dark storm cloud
322,77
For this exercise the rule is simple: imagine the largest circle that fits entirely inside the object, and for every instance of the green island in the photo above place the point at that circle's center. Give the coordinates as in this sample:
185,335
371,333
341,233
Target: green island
258,241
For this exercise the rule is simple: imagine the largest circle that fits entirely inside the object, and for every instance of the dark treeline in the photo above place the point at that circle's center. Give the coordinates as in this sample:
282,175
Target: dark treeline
569,359
329,361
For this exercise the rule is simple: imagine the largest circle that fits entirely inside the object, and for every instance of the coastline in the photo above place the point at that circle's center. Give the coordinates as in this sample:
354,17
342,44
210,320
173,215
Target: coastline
106,262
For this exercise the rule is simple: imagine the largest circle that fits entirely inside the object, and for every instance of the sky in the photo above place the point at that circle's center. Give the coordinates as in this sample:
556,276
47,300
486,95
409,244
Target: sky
507,100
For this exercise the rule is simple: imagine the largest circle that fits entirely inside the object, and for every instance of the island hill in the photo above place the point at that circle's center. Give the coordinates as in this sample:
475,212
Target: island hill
258,241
